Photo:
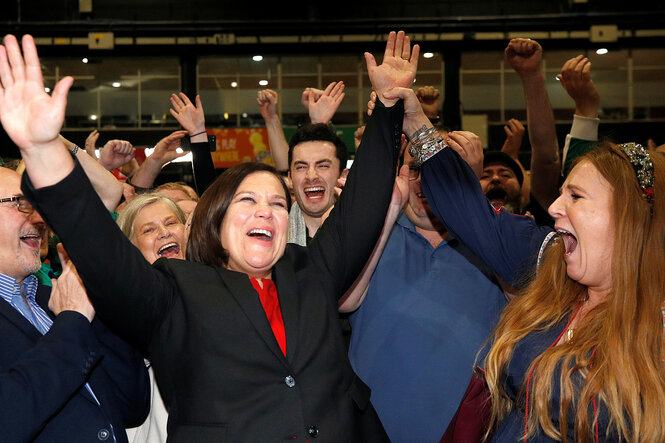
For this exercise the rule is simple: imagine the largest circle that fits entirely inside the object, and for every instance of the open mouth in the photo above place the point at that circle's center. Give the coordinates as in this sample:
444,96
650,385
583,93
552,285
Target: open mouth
170,250
496,193
260,234
32,240
315,192
569,240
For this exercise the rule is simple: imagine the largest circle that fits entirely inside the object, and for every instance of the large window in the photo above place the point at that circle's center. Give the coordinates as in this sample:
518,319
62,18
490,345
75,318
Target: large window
114,92
630,85
228,88
111,93
648,92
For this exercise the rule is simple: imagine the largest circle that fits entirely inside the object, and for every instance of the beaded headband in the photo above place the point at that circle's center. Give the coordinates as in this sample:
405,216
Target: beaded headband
643,167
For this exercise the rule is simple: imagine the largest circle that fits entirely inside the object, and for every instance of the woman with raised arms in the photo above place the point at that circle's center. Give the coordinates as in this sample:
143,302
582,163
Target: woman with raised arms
244,337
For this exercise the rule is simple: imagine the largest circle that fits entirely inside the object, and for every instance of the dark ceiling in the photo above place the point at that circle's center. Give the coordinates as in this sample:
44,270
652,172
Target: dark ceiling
342,16
72,19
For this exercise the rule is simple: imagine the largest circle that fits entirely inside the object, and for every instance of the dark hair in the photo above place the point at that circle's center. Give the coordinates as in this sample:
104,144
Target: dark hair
205,241
319,132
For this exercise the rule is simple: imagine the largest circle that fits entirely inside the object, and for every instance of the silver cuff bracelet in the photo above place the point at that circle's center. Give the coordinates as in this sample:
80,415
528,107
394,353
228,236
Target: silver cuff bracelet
425,142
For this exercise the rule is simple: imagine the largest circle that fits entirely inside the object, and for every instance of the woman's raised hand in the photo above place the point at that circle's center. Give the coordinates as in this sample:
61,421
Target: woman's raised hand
398,67
31,117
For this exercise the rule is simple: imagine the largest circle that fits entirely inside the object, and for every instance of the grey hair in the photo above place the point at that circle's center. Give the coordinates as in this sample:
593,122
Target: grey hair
134,206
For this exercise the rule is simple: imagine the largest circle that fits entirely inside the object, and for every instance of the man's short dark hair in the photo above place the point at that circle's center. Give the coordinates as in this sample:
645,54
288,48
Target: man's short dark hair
319,132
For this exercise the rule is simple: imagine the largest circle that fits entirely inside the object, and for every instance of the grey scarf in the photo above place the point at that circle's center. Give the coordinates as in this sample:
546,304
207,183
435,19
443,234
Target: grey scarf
297,227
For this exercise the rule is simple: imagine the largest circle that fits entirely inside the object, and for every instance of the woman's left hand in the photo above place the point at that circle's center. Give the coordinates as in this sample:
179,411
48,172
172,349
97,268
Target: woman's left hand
189,116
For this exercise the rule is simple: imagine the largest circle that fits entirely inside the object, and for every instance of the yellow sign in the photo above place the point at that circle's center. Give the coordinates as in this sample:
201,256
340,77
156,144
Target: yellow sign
240,146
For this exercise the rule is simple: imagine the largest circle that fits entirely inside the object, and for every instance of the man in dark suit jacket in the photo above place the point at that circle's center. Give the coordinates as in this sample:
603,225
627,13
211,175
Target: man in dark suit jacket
63,376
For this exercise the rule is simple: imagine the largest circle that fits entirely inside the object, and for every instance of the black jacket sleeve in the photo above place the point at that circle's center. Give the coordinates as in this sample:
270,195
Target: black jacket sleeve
346,239
129,295
203,166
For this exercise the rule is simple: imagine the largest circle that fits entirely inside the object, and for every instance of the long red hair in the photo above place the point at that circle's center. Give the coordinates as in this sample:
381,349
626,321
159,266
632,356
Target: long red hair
625,373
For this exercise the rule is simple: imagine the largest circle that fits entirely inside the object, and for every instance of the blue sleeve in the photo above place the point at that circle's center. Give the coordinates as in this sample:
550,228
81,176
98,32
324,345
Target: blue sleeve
508,243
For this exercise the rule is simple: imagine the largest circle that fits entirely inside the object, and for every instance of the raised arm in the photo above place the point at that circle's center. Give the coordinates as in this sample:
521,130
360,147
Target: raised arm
279,148
514,134
106,185
115,154
469,147
164,153
508,243
91,143
126,292
31,117
354,297
576,79
430,100
322,107
525,56
192,118
346,239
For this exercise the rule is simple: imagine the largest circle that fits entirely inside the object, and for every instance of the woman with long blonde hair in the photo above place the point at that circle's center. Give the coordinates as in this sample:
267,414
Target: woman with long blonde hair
577,355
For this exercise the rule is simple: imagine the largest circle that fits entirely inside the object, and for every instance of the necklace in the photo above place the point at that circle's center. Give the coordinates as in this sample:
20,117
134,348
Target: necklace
567,330
570,331
569,334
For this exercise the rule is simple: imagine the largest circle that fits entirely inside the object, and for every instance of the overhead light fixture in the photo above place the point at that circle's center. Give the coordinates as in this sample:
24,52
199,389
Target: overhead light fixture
234,84
257,58
428,55
263,82
85,60
116,84
93,117
244,115
601,51
47,89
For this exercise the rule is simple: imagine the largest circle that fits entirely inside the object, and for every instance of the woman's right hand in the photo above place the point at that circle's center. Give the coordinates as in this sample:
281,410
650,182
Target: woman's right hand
30,116
414,116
